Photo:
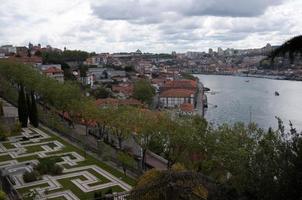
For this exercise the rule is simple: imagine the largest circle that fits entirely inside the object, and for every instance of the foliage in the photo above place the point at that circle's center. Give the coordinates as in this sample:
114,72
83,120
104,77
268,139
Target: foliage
33,111
101,93
125,160
32,195
1,109
176,183
65,56
16,129
2,195
31,176
292,47
143,91
22,107
98,195
254,163
188,76
129,68
49,166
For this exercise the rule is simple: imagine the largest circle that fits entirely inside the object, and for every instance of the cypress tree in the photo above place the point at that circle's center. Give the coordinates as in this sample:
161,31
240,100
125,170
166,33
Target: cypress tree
33,113
1,109
22,107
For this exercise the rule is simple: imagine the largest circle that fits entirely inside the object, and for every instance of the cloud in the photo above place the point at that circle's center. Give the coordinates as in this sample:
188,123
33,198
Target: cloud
154,11
149,25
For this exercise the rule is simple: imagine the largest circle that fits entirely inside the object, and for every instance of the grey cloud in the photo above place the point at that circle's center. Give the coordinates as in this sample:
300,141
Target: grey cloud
140,11
230,8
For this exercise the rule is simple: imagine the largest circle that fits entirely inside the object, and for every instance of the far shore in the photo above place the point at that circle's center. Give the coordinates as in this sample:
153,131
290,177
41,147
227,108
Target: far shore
252,75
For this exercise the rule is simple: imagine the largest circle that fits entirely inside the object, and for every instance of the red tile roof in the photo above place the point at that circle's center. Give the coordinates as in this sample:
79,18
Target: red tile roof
187,107
26,60
125,89
177,93
181,84
52,70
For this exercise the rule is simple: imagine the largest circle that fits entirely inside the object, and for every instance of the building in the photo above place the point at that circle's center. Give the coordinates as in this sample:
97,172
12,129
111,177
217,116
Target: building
55,73
180,84
124,90
186,109
175,97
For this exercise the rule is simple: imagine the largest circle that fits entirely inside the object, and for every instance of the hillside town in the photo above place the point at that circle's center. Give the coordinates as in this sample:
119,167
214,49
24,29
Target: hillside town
115,73
119,95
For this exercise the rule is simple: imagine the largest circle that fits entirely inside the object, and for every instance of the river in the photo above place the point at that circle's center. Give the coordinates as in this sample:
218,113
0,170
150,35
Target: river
246,99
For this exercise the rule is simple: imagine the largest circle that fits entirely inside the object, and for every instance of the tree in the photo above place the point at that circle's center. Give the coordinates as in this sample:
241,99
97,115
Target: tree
22,107
291,47
1,109
126,161
143,91
33,111
178,183
147,126
121,121
101,93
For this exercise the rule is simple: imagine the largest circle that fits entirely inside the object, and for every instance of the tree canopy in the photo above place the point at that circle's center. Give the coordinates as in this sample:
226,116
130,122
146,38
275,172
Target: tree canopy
143,91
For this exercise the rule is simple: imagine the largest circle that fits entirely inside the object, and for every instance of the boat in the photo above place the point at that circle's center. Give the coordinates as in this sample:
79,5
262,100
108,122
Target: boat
206,89
247,81
277,93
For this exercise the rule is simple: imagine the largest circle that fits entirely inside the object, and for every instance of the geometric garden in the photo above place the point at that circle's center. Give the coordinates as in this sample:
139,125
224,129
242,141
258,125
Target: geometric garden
81,177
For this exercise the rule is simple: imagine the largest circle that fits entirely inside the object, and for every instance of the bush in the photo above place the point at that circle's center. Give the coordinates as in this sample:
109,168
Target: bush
16,129
31,176
2,195
49,166
4,132
1,109
57,170
98,195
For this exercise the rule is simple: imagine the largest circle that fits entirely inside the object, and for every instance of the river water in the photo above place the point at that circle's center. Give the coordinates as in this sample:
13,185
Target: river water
246,99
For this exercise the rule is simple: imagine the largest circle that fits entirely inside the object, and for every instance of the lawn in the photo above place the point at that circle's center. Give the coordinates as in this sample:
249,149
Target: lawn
66,182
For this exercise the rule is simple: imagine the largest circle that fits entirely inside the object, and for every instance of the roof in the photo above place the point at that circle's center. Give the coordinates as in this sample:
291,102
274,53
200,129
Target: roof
187,107
185,83
53,70
125,88
177,93
116,102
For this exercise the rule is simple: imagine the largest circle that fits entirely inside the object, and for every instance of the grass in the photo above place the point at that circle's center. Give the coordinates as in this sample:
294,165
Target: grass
5,158
27,158
33,149
8,145
89,160
52,145
66,183
27,189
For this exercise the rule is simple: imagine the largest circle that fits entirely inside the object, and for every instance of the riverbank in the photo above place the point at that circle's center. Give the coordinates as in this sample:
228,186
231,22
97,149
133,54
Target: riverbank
265,76
246,99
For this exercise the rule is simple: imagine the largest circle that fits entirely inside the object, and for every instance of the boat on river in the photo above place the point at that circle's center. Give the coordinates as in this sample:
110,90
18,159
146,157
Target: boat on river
277,93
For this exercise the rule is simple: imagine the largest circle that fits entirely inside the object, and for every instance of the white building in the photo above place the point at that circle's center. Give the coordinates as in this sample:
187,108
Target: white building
175,97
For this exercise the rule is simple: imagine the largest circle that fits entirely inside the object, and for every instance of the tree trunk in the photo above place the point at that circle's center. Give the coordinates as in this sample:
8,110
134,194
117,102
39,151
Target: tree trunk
144,159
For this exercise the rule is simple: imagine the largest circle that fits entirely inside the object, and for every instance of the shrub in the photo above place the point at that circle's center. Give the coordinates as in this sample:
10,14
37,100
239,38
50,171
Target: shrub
49,166
2,195
16,129
31,176
56,170
98,195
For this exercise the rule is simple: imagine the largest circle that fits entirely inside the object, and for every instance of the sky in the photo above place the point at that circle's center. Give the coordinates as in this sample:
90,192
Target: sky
149,25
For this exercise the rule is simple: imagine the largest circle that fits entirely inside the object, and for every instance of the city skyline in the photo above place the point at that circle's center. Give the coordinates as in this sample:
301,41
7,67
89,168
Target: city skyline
151,26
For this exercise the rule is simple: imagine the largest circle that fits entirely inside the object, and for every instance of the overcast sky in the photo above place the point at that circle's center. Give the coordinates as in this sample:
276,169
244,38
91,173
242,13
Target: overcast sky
149,25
